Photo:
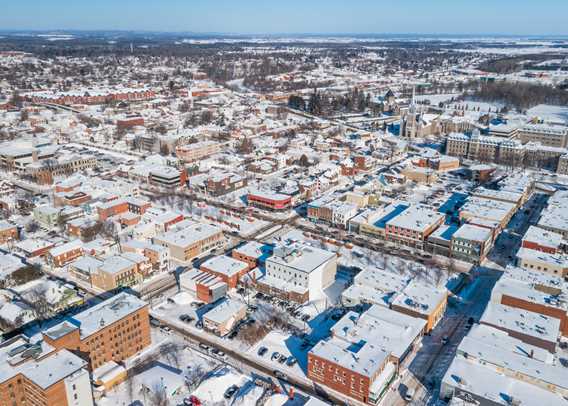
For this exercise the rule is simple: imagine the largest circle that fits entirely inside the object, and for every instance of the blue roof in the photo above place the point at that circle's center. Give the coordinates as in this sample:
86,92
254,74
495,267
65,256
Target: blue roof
382,222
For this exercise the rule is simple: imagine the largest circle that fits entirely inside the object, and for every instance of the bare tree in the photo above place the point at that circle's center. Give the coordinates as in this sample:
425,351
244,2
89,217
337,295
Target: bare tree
40,306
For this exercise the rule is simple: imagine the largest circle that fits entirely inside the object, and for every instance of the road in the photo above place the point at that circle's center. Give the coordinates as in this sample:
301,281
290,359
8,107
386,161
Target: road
305,385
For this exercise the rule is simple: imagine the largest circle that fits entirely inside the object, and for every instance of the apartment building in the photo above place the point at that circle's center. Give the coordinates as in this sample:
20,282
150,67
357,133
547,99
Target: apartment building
119,271
192,241
91,96
112,330
37,373
194,152
44,172
65,253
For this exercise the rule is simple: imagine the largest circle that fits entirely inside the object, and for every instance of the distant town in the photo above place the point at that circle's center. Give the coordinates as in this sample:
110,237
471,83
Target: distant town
283,221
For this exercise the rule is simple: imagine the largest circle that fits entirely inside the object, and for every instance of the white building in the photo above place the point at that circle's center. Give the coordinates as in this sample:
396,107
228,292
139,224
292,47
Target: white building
299,271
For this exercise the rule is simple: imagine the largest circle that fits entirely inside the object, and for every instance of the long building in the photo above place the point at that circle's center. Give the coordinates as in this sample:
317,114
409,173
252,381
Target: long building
38,373
113,330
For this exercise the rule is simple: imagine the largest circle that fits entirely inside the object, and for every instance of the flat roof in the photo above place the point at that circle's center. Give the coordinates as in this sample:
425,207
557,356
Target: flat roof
301,257
420,298
543,237
47,368
521,321
106,313
416,218
473,233
189,235
364,358
225,310
225,265
386,328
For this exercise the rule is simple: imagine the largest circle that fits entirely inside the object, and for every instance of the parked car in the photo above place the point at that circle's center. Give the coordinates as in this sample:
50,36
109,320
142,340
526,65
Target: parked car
282,358
409,394
445,340
191,401
231,390
204,347
291,361
280,375
233,334
262,351
275,355
217,352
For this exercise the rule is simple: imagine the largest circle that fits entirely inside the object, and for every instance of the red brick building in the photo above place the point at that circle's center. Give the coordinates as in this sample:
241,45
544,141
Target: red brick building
229,270
270,201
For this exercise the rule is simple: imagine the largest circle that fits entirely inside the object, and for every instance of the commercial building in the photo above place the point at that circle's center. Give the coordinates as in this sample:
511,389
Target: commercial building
471,243
192,241
413,226
421,301
552,264
534,292
253,253
112,330
361,371
230,270
298,272
375,287
529,327
37,373
269,201
493,368
224,316
203,286
542,240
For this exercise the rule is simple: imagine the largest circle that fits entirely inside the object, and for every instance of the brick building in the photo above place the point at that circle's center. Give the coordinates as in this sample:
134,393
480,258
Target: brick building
36,373
113,330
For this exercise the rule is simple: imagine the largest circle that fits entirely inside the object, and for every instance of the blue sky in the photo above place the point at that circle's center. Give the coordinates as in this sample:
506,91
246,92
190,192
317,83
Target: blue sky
292,16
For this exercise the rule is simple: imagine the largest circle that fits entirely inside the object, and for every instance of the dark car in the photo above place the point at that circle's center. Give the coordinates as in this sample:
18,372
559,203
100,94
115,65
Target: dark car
231,390
233,334
282,358
291,361
279,375
262,351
